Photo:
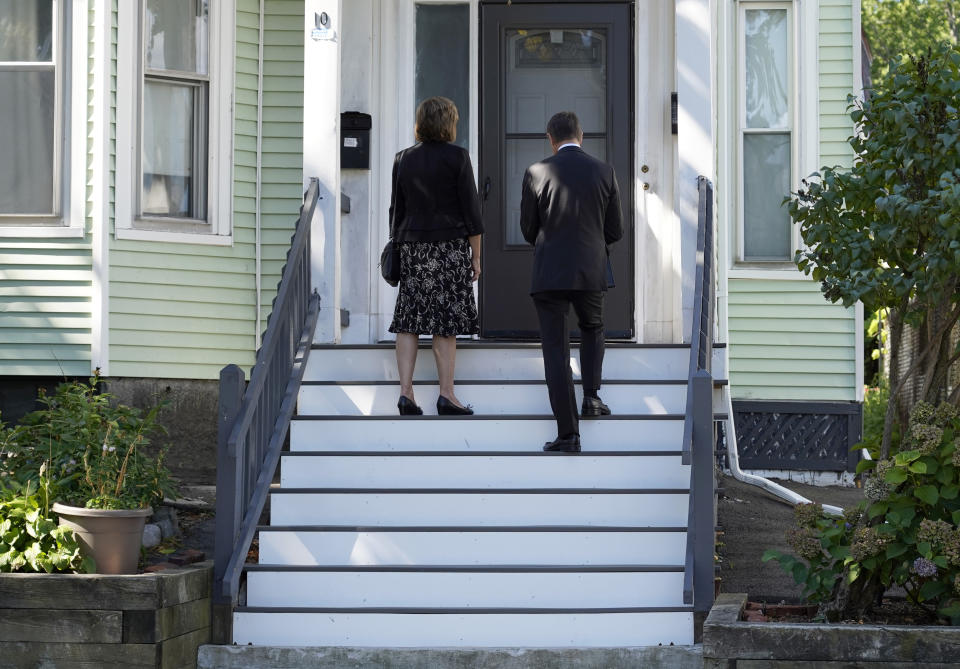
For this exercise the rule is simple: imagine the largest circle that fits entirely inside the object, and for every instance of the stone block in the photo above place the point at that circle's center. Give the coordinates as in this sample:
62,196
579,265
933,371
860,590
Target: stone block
165,517
152,535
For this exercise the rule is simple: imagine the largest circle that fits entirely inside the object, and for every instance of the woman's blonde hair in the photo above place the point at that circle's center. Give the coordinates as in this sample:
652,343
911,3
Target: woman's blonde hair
436,120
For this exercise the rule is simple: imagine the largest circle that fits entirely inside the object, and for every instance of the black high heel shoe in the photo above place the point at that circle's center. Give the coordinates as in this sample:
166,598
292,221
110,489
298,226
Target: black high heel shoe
408,407
447,408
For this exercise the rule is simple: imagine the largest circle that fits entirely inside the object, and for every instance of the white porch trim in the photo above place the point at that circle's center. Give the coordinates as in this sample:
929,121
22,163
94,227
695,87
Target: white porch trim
696,148
100,187
321,157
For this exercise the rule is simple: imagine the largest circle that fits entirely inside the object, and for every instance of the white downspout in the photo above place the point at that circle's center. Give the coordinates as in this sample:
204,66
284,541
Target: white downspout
259,258
733,459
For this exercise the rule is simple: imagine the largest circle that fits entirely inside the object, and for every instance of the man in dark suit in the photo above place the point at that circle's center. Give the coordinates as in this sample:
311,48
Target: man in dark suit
570,212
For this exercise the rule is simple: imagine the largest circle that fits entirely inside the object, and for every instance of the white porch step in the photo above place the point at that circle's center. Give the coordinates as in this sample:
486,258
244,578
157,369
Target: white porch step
570,546
581,628
516,362
484,471
384,508
362,399
480,433
473,587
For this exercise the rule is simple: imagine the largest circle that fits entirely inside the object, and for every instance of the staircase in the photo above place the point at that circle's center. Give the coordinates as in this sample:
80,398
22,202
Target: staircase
459,531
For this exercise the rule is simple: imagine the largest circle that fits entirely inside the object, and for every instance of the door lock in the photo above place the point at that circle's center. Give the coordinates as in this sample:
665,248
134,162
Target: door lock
486,189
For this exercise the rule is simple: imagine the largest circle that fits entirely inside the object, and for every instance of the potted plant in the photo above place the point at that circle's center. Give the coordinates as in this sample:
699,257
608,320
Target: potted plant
103,476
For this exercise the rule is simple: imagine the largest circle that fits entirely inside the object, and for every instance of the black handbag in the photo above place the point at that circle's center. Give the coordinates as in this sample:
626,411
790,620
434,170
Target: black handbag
390,263
390,256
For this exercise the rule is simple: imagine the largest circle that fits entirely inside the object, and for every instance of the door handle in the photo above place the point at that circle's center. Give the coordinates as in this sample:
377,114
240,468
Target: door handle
486,189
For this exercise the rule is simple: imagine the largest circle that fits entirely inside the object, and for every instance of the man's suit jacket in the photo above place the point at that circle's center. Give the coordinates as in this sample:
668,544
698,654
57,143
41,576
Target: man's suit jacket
570,212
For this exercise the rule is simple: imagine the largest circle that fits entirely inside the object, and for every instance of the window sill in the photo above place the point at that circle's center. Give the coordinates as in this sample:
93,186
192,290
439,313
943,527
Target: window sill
173,237
774,272
41,231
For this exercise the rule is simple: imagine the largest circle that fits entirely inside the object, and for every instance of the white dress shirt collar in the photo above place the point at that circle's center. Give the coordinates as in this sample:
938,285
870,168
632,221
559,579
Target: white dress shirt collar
563,146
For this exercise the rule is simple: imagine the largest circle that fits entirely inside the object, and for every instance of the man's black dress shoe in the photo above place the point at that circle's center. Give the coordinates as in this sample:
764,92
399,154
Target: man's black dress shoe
567,444
447,408
408,407
593,406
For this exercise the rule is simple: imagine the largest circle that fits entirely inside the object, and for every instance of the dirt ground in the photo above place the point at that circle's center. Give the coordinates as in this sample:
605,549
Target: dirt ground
752,521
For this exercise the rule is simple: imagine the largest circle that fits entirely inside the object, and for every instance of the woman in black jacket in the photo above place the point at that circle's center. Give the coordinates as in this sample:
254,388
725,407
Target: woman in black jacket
435,220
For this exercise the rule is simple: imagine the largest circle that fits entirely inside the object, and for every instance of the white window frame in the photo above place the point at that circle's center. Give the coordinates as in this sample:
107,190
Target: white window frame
407,67
743,130
70,60
129,223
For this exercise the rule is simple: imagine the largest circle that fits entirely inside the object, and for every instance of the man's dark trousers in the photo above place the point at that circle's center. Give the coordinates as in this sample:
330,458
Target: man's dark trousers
553,307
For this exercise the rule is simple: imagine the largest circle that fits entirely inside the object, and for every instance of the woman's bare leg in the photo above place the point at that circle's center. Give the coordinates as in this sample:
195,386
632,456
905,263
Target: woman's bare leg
445,352
406,361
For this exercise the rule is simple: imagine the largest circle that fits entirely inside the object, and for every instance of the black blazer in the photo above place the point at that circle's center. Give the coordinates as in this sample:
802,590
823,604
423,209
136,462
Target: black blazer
570,212
434,195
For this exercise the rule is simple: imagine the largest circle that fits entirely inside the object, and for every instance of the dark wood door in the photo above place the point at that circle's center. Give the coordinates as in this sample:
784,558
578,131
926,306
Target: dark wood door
536,60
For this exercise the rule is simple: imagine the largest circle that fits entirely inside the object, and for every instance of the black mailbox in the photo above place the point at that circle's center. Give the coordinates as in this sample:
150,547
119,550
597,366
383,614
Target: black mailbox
355,140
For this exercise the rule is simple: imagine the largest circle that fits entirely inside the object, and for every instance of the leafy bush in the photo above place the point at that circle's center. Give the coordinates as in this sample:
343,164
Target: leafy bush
906,533
95,450
30,540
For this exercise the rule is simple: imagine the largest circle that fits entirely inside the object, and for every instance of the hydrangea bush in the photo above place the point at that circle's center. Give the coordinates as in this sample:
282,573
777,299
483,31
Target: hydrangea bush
906,533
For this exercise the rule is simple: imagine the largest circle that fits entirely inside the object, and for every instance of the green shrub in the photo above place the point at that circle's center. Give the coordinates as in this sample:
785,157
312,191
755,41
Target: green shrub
875,400
94,449
30,540
906,533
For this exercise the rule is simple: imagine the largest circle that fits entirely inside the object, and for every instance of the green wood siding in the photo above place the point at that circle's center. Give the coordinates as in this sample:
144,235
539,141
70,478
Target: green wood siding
786,341
46,284
835,47
282,144
185,310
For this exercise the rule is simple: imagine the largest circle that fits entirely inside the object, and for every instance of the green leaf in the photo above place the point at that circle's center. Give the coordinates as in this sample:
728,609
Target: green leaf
865,465
895,476
896,550
949,491
956,517
927,493
906,457
918,467
799,572
877,509
932,590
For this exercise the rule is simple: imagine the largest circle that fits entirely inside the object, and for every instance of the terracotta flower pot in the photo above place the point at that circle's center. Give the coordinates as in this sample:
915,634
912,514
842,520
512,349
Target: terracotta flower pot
111,538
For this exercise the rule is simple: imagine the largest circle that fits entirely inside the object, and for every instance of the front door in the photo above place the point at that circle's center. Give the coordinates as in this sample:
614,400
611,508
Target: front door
536,60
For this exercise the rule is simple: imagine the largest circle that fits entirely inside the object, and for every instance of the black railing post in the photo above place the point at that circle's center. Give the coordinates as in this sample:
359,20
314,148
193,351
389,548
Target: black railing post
229,512
702,485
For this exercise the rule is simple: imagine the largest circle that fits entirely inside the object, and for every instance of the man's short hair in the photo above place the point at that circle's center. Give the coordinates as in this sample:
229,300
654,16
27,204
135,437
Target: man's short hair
564,125
436,120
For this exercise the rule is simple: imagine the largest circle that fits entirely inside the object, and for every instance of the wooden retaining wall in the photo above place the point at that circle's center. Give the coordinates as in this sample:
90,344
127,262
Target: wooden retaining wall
154,621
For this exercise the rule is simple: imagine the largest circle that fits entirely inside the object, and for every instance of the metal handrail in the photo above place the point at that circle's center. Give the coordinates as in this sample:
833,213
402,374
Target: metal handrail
254,423
698,426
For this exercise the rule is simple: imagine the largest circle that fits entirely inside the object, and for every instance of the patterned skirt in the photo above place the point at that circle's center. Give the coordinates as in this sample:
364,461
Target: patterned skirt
436,291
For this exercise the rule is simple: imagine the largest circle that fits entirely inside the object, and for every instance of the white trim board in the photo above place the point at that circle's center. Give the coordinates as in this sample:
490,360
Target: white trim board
222,45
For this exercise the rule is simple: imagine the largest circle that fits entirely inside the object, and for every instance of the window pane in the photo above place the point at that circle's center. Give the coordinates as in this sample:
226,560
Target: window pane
173,166
551,70
767,75
26,30
27,142
176,35
443,59
521,154
766,181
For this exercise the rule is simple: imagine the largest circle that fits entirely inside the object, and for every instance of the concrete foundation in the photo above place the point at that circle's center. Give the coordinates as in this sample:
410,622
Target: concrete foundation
275,657
190,419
